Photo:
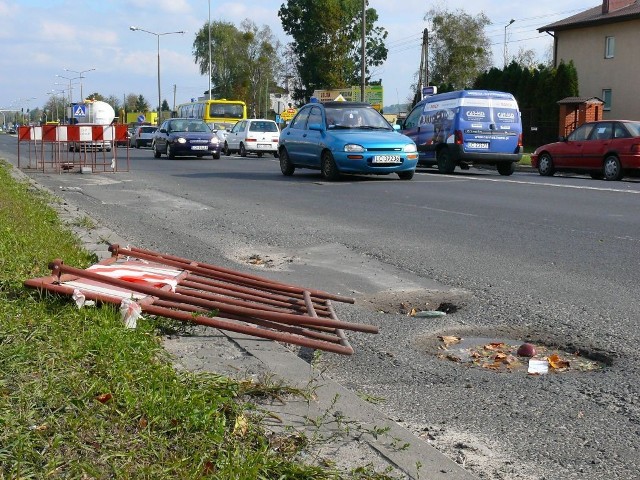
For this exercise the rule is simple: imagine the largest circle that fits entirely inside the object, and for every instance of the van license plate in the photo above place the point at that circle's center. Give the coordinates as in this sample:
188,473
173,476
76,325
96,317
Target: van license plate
478,145
199,147
386,159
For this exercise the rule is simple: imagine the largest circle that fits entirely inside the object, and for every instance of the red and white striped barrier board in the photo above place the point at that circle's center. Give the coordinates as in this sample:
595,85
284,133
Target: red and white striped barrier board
73,133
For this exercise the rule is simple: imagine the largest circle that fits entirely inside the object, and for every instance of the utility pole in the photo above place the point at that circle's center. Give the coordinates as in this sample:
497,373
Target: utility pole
423,73
364,43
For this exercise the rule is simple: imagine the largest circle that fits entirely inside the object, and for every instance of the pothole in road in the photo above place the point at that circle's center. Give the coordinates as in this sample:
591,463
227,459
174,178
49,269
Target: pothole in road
418,303
512,355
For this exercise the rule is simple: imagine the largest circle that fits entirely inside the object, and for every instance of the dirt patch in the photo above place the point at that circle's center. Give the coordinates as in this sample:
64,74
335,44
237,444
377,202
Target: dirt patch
406,301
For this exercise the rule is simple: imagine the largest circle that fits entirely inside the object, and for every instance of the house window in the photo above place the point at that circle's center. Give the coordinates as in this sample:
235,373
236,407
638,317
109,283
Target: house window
609,47
606,98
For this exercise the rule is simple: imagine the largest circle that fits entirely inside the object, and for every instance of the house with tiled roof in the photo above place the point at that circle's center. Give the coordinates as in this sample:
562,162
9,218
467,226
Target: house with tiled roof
603,43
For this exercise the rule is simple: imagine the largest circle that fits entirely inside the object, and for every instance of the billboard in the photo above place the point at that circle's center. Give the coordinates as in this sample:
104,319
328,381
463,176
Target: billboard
372,95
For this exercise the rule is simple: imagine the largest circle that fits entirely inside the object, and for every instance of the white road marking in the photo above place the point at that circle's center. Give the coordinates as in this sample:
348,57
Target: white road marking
544,184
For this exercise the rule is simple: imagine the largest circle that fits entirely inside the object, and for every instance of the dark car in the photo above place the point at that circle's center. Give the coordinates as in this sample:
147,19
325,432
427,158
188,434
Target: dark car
345,137
185,137
605,149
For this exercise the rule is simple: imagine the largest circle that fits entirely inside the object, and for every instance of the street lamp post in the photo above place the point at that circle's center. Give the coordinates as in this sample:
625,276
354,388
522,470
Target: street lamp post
25,101
70,87
505,41
209,28
158,35
81,72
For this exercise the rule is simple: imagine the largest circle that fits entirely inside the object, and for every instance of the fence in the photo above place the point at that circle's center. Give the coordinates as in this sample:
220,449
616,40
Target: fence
65,148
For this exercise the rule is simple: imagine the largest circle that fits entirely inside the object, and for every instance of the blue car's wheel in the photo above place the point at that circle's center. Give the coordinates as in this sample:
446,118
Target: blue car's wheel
328,167
286,166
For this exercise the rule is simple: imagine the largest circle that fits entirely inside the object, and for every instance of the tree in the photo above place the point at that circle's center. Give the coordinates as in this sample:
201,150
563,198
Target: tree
114,102
526,58
141,104
244,61
459,50
327,42
95,96
165,106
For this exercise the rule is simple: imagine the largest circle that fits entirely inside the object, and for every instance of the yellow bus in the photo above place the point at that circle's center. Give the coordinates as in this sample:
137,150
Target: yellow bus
219,114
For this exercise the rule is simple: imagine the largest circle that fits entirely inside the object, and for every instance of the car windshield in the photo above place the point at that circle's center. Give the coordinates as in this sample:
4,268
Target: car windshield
365,118
188,126
263,127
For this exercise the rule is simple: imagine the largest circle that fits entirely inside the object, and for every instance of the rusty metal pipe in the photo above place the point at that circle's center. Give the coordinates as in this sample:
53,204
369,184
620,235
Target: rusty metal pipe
297,330
58,267
294,336
250,292
187,284
190,292
204,268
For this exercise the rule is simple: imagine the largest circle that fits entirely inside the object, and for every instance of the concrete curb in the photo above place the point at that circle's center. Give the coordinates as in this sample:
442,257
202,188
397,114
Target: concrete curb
348,430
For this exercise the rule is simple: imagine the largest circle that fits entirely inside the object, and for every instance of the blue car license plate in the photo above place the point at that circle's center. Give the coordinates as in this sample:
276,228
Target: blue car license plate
386,159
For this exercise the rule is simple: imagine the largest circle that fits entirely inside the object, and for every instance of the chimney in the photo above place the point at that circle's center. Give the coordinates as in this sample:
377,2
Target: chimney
612,5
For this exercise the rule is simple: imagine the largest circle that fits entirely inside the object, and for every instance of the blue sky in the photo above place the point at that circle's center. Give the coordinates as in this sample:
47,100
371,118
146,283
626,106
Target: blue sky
39,39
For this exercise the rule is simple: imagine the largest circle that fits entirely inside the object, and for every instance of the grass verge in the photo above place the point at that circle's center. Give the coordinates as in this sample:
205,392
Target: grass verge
83,397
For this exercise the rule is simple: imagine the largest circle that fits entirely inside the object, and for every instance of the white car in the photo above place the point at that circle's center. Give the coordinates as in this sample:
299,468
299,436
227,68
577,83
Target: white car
142,136
256,135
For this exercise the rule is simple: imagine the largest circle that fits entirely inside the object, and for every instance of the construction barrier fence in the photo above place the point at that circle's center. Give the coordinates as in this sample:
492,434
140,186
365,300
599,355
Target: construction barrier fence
65,148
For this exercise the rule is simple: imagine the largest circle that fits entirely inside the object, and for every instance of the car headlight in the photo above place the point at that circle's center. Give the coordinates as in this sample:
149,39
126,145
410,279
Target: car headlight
214,140
410,148
181,140
352,147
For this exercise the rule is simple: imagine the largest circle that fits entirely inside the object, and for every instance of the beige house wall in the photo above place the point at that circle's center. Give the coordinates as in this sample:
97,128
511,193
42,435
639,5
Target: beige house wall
586,47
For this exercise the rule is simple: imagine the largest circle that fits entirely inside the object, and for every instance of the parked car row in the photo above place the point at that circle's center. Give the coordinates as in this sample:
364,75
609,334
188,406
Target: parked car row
455,129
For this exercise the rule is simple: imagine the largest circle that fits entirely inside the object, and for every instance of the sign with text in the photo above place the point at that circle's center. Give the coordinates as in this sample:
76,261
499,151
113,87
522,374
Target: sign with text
372,94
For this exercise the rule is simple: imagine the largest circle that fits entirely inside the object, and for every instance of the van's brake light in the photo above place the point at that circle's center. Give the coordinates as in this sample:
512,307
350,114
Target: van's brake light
458,137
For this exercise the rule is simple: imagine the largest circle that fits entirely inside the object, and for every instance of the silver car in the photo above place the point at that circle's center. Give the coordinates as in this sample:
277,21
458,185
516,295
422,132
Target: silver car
142,136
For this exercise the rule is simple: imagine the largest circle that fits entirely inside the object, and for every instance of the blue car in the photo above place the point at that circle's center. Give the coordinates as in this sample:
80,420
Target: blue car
345,137
185,137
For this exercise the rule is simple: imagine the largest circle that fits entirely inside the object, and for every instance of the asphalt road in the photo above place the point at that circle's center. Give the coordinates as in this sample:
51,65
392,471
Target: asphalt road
549,260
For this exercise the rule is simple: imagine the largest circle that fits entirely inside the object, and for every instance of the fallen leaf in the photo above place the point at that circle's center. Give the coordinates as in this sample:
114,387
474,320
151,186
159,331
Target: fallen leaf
104,398
557,363
450,340
241,426
142,423
39,428
495,346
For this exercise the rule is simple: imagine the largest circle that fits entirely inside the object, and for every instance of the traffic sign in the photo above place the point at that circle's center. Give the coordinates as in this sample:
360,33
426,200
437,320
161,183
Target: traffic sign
80,110
141,118
288,114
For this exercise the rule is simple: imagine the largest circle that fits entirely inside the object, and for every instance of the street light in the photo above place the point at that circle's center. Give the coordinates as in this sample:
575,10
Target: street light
25,101
70,88
209,28
54,93
505,41
158,35
80,77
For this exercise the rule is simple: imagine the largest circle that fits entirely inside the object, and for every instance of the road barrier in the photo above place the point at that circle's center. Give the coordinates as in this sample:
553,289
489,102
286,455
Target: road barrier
66,148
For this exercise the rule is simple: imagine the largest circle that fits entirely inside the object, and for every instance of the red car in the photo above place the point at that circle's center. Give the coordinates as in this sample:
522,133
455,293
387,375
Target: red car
605,149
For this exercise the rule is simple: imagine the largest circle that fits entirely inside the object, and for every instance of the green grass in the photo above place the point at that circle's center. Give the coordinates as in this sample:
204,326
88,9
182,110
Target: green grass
83,397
